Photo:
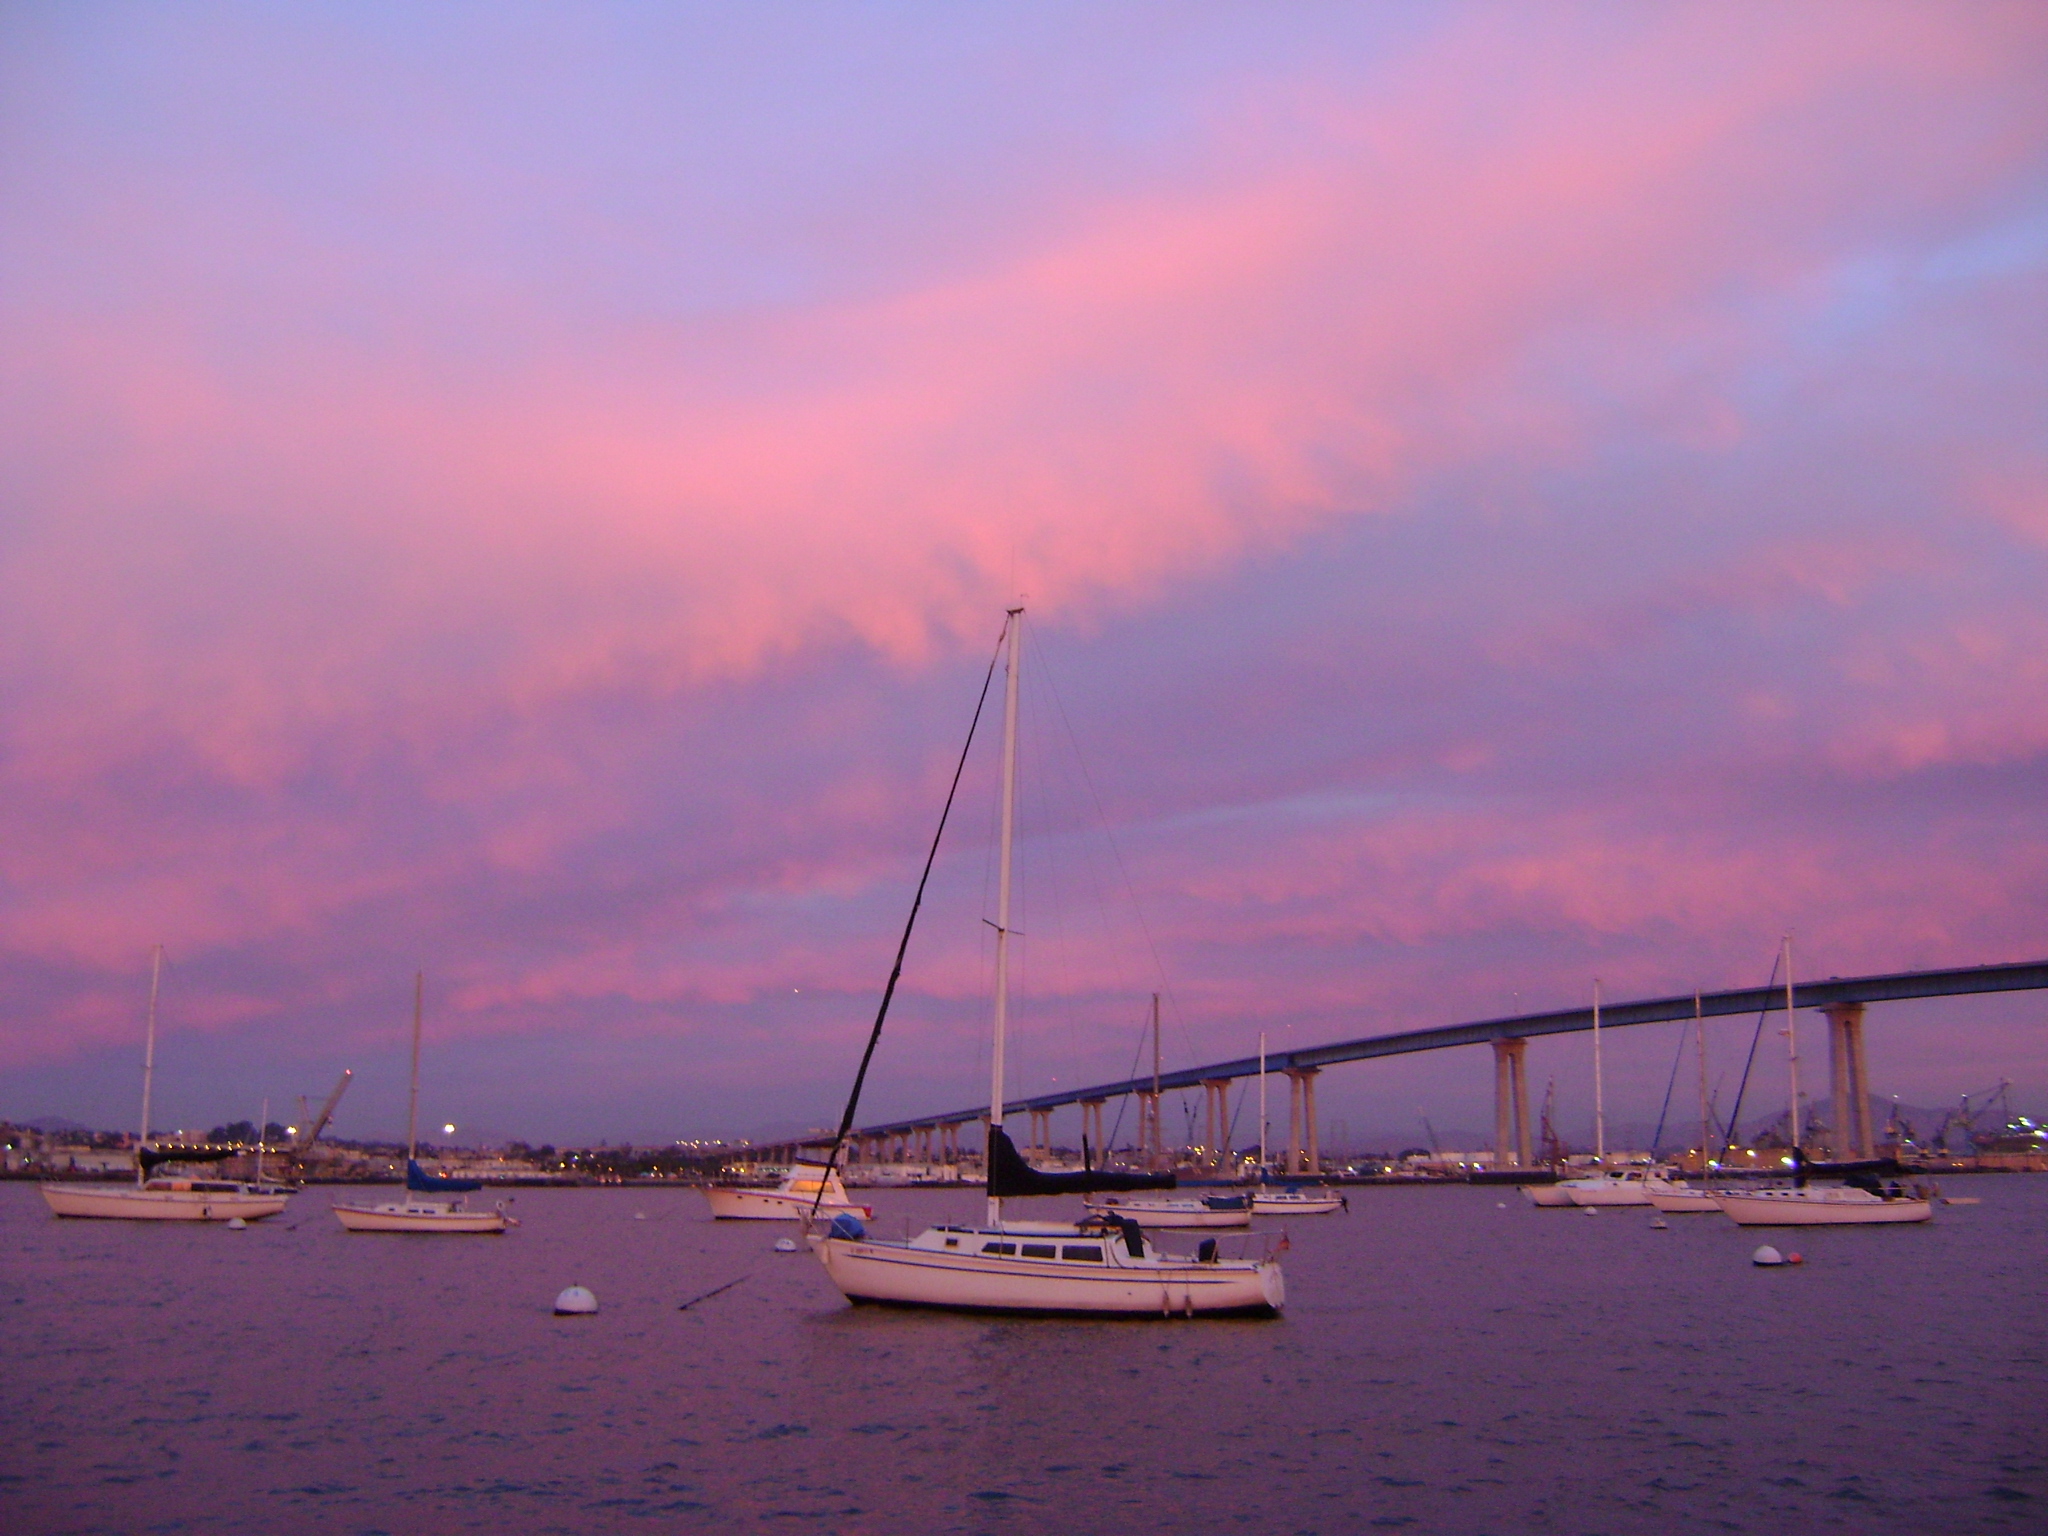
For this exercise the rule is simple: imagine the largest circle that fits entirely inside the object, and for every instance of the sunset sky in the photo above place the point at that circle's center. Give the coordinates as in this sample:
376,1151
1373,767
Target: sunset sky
1504,496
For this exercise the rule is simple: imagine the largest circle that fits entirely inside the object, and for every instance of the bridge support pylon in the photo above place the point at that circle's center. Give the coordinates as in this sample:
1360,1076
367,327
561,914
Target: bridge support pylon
1301,1117
1216,1117
1851,1081
1510,1104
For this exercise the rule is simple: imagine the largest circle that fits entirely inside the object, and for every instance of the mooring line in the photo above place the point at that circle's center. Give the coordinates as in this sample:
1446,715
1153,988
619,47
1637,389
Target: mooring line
711,1293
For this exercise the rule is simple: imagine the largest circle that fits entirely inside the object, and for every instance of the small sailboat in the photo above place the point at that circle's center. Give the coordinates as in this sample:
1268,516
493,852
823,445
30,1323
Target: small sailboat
1207,1211
417,1212
1676,1197
1103,1265
168,1198
1617,1186
1299,1200
809,1187
1859,1201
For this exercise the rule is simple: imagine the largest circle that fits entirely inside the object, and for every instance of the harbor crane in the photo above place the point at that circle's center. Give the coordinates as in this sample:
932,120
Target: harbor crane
310,1132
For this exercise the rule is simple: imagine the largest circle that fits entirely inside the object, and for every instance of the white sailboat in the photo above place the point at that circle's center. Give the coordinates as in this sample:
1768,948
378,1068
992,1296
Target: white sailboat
1676,1197
1617,1186
1291,1199
415,1212
1803,1204
1214,1212
153,1198
1101,1266
808,1188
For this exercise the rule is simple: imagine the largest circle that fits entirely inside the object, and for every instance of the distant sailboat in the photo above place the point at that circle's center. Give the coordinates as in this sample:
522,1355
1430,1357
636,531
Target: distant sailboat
167,1198
1101,1266
1862,1201
415,1213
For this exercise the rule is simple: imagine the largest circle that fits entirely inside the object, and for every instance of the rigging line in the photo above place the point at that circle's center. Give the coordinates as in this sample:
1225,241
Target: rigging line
1657,1137
1735,1114
903,946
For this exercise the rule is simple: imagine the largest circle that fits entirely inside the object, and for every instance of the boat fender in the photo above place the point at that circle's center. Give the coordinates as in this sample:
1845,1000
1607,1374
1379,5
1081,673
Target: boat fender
1767,1257
575,1302
847,1226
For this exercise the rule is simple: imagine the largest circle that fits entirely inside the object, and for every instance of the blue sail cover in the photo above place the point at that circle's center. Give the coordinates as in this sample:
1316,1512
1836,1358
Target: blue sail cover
421,1182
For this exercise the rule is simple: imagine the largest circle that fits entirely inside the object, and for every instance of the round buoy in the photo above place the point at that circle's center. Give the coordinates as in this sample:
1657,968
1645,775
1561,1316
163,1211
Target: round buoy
1659,1224
1590,1210
639,1215
1500,1205
236,1224
575,1302
1795,1258
785,1245
1766,1257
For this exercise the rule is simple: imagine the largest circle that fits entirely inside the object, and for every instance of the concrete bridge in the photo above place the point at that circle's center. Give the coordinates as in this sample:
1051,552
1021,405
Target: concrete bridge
936,1138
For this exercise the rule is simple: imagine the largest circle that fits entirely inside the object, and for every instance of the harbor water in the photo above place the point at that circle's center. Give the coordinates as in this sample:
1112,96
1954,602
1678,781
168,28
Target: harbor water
1451,1361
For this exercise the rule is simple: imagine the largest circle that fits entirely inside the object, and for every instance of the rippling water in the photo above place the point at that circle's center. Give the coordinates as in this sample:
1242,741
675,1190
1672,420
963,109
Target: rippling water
1446,1363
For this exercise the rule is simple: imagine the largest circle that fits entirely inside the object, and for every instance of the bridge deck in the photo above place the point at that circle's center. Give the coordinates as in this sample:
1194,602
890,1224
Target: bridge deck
2029,975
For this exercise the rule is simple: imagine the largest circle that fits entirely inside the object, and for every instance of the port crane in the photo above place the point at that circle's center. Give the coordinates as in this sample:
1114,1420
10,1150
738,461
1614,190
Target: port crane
309,1131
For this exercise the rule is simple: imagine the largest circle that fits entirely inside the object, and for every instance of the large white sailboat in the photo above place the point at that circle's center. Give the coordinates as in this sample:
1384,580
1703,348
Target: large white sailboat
157,1198
1865,1202
1104,1265
417,1211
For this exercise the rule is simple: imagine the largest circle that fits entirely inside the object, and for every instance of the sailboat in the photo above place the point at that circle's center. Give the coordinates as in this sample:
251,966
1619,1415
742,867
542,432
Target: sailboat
416,1212
1676,1197
1101,1266
810,1188
1291,1198
1610,1186
166,1198
1860,1201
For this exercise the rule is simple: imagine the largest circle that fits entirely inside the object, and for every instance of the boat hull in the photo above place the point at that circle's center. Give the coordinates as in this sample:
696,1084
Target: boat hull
1548,1197
1281,1205
420,1219
1798,1208
775,1205
896,1275
116,1202
1685,1202
1618,1194
1191,1217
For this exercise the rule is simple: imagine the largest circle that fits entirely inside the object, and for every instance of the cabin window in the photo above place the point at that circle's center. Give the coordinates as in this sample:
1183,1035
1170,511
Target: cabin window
1010,1248
952,1242
1092,1252
1040,1251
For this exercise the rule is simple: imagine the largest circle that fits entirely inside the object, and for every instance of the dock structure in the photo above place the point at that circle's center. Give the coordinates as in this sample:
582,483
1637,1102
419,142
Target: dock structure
1843,1000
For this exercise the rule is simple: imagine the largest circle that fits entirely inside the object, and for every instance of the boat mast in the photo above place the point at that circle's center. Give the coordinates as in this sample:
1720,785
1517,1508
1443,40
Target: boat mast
1157,1149
262,1121
412,1101
1699,1036
1009,828
1262,1106
156,968
1599,1085
1791,1047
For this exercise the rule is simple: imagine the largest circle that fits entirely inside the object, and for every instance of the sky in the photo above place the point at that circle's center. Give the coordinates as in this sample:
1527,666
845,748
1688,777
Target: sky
523,494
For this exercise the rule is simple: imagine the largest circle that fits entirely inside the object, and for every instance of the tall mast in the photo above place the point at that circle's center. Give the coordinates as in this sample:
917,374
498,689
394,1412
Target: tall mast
1791,1044
156,969
1262,1106
1599,1084
262,1121
995,1090
1158,1147
412,1102
1699,1036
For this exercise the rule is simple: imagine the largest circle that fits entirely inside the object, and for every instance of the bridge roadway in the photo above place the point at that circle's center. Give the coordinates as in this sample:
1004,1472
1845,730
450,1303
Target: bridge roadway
1842,998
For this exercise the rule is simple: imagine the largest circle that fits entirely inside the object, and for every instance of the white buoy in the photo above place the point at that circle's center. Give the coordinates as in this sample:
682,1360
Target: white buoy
236,1224
1659,1224
639,1215
785,1245
1767,1257
575,1302
1500,1205
1590,1210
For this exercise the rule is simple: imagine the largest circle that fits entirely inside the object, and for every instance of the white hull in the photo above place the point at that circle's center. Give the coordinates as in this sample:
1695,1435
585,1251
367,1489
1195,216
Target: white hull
1685,1202
916,1275
1173,1215
1549,1197
1304,1203
1826,1207
774,1205
420,1216
126,1202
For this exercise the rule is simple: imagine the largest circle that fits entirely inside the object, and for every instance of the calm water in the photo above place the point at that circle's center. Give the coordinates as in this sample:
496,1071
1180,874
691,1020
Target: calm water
1445,1364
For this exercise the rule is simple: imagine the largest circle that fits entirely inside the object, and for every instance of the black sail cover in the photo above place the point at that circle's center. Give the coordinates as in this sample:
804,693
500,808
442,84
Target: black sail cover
1009,1174
151,1157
